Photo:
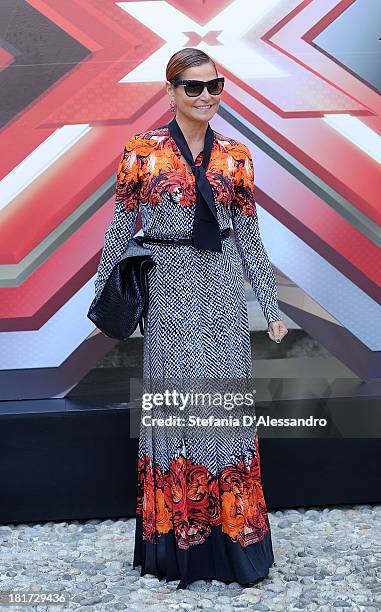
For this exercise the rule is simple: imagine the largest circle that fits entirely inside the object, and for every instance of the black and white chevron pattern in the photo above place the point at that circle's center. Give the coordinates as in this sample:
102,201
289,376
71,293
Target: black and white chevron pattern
197,327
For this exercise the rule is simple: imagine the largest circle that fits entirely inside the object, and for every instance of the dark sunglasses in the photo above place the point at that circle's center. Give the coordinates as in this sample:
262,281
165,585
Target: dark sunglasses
195,88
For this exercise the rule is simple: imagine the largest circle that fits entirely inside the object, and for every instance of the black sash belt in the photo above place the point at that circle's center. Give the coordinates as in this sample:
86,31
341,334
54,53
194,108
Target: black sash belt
180,241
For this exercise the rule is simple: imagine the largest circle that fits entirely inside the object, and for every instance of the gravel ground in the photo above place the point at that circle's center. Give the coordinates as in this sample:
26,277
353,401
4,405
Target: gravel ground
326,559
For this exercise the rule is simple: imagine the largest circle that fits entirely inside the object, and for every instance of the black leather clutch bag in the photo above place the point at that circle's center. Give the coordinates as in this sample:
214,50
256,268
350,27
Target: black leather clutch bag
123,301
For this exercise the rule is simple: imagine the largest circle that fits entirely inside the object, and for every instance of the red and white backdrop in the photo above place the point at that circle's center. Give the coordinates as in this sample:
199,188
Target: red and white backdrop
79,77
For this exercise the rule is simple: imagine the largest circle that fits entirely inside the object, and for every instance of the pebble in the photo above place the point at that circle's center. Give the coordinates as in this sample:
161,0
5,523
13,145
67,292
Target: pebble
326,559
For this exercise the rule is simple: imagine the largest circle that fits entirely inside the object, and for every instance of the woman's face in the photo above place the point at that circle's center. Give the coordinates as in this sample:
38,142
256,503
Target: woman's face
203,107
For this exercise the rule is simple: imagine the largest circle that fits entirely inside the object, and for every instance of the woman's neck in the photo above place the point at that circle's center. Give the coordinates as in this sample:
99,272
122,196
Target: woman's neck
194,132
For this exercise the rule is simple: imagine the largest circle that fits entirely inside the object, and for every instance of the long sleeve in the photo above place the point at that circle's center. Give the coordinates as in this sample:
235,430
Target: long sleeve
248,239
123,224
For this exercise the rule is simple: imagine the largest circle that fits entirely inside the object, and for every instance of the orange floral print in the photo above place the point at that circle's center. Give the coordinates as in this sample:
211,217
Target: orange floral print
189,500
244,181
128,179
152,162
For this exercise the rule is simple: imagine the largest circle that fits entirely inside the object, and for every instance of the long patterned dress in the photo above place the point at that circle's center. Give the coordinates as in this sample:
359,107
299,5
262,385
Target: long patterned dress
201,512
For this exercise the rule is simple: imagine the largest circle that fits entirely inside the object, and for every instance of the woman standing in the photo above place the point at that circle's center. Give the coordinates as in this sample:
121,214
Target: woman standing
201,512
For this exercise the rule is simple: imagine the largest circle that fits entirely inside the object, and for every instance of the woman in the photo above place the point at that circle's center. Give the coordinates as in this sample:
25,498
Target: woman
201,513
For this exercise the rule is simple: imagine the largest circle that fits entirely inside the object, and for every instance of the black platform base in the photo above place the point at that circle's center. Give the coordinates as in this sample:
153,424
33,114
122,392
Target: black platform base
63,459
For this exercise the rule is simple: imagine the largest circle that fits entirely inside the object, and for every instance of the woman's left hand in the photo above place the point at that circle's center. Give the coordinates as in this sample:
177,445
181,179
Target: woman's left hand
277,330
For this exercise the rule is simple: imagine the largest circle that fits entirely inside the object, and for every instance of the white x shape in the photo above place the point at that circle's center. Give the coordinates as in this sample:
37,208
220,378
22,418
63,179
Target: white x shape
234,21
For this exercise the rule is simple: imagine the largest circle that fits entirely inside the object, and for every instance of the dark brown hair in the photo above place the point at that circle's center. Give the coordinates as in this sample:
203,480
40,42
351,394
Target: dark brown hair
186,58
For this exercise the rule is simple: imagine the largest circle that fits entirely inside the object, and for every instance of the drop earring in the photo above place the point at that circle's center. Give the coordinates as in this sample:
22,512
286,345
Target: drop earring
172,107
